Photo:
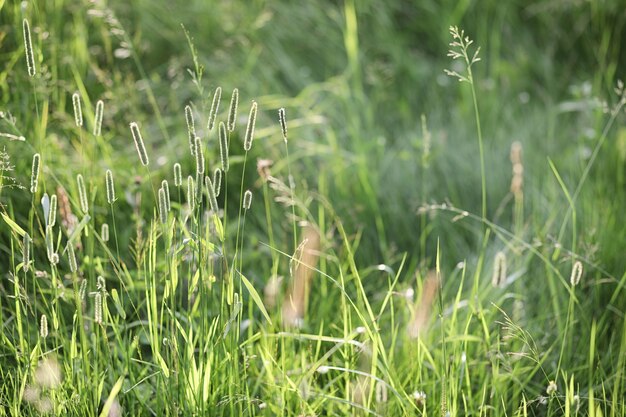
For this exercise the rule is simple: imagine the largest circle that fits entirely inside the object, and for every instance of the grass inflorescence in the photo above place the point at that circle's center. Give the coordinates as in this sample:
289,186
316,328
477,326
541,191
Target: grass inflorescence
379,261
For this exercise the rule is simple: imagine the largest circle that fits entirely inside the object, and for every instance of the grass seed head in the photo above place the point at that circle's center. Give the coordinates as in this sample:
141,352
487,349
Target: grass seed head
82,291
34,175
212,196
217,181
26,251
166,188
78,111
98,308
577,273
499,270
97,127
82,194
28,47
381,392
247,144
71,257
178,175
232,113
52,213
104,232
50,246
110,187
43,326
223,146
101,284
141,148
191,193
247,200
215,104
191,127
283,123
199,153
162,205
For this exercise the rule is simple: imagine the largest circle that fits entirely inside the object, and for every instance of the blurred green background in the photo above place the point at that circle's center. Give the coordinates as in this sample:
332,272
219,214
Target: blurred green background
357,78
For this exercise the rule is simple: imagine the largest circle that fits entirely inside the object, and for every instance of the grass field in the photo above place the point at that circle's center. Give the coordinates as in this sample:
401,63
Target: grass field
358,207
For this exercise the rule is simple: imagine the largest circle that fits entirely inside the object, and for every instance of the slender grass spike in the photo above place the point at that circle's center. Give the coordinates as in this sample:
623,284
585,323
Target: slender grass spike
82,194
215,104
110,187
232,114
223,147
97,127
247,144
141,149
28,47
78,111
34,175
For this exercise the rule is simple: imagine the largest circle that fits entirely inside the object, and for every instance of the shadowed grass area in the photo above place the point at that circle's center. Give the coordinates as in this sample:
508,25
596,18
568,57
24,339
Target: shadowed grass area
366,258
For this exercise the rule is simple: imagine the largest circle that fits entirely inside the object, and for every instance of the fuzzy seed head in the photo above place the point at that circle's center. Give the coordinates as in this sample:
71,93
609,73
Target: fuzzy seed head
166,188
141,149
247,200
178,176
223,146
50,243
28,47
191,193
98,309
212,197
577,273
71,257
283,123
78,111
199,153
82,291
191,127
52,213
110,187
217,97
552,388
34,175
26,251
101,284
43,326
82,194
247,144
381,392
232,114
104,232
97,127
162,206
499,270
217,181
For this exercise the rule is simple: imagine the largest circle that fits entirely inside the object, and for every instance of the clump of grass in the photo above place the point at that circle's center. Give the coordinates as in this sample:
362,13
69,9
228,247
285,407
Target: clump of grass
190,333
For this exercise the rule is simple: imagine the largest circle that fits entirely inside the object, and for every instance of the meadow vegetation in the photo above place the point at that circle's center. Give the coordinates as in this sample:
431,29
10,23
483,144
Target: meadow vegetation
263,208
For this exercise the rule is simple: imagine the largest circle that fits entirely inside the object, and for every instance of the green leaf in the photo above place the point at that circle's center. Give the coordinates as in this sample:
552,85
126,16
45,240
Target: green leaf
79,228
219,228
118,303
255,296
109,402
163,365
16,228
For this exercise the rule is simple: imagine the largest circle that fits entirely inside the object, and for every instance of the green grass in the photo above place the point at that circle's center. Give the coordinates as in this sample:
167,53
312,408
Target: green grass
392,195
